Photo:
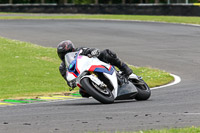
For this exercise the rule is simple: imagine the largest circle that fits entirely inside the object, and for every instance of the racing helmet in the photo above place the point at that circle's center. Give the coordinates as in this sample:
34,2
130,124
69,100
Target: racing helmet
65,47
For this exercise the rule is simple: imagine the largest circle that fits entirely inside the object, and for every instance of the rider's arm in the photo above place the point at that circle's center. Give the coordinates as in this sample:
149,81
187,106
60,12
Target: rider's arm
63,71
91,52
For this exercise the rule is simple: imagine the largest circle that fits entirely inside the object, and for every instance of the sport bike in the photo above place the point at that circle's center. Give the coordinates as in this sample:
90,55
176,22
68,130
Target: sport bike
102,81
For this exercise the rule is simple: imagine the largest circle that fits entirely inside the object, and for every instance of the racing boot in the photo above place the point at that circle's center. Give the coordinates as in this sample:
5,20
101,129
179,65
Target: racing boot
135,79
130,75
125,69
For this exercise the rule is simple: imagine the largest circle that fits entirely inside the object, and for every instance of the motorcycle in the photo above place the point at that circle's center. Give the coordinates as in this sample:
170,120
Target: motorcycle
102,81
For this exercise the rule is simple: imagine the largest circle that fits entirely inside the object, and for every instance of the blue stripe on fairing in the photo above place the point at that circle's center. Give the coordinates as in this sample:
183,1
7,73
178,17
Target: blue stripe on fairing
104,70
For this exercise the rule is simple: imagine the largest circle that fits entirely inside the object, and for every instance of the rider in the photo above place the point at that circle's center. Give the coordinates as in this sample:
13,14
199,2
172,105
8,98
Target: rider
106,55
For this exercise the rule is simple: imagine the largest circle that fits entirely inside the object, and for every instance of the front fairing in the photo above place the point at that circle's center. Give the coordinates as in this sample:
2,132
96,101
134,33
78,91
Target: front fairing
78,65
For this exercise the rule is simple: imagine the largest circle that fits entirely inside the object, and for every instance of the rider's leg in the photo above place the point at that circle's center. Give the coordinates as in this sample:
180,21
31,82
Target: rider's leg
111,57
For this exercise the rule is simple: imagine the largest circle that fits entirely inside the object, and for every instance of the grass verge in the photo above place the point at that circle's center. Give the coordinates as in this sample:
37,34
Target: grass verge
29,70
169,19
192,129
172,130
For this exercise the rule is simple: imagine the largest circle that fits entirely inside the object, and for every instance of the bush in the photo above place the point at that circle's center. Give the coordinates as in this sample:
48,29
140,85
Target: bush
83,1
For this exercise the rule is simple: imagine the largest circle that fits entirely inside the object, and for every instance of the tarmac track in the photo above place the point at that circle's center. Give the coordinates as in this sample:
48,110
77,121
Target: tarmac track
172,47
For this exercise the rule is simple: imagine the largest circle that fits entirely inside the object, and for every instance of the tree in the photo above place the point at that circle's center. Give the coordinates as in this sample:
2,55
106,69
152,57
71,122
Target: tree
96,1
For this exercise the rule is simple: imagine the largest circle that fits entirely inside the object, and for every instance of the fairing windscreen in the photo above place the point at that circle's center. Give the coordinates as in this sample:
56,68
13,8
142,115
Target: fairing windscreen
69,58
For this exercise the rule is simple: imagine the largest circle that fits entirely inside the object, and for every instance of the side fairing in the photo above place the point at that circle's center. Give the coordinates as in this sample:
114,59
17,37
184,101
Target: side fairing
113,79
84,63
79,65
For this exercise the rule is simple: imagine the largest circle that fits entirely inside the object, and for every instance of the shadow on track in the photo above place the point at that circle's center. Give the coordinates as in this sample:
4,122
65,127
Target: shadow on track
89,103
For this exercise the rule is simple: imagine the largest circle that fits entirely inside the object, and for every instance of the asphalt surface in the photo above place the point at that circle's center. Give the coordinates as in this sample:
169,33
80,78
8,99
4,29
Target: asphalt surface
171,47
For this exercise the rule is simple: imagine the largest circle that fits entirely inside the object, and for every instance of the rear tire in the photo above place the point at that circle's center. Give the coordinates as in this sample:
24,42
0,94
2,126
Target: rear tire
91,89
144,91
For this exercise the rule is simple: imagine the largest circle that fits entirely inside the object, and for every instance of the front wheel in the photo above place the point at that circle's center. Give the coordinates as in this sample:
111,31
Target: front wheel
103,95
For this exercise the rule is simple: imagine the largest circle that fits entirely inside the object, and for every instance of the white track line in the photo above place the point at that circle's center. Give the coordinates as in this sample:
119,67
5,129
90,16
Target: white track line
177,80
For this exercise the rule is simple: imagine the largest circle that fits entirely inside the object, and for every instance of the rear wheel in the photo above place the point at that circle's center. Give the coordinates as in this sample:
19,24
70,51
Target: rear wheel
144,91
102,94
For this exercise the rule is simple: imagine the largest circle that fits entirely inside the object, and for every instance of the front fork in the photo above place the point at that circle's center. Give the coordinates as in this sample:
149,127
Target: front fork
94,78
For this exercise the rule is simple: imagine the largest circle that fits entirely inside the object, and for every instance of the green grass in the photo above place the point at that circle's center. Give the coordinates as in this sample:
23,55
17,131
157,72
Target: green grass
170,19
172,130
28,70
175,130
153,77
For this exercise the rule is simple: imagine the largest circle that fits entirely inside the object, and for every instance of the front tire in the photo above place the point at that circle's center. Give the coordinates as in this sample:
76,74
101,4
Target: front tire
105,96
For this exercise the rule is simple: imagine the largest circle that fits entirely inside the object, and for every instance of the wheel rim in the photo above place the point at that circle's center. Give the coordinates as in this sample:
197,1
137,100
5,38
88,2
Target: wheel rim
104,91
142,87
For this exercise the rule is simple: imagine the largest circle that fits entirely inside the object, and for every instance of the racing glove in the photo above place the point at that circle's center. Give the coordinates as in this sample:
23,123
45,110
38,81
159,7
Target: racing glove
71,84
94,53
